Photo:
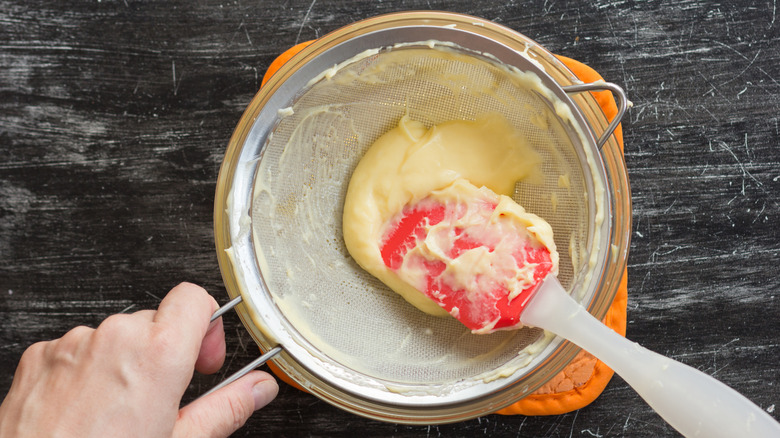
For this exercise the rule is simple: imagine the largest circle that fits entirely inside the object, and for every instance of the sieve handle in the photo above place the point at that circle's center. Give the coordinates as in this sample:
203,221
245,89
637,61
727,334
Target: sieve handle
229,305
249,367
622,104
243,371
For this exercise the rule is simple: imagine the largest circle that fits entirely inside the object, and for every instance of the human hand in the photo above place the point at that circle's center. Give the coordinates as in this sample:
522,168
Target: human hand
127,377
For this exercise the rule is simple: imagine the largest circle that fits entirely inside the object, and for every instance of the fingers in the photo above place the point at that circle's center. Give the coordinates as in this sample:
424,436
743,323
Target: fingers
186,310
212,349
188,307
221,413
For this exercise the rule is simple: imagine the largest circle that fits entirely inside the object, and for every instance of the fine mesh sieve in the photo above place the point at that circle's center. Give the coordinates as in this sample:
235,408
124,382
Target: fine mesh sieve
345,336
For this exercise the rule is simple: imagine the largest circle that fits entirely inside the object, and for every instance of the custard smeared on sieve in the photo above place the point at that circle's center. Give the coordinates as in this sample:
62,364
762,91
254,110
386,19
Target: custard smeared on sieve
471,118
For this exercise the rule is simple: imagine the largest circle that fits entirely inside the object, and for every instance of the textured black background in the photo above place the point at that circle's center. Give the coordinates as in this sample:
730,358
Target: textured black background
114,116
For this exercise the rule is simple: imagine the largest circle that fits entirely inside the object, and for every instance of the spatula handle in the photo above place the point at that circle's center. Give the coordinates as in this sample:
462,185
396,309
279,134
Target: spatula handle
692,402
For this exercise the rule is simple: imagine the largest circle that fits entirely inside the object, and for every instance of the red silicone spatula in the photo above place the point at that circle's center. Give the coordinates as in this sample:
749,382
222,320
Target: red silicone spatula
488,271
490,308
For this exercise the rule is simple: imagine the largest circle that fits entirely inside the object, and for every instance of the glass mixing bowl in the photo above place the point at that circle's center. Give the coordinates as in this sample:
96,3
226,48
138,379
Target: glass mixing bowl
281,187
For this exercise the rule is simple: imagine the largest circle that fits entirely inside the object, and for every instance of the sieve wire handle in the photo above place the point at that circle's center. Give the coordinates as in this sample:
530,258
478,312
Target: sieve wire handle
243,371
249,367
622,104
224,309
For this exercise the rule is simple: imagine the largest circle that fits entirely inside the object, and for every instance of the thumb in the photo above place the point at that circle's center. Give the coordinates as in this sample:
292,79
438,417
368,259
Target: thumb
224,411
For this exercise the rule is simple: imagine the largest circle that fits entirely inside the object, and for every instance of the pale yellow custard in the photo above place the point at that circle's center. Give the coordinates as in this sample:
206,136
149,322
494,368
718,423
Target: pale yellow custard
411,161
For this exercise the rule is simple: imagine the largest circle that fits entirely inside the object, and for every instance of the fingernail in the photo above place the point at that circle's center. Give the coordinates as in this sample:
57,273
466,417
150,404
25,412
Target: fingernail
263,392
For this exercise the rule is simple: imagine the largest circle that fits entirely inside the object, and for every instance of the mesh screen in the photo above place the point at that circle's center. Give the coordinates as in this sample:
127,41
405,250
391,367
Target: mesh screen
302,181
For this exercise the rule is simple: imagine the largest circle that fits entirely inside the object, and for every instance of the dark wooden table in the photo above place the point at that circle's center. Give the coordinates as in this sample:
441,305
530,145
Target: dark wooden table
114,117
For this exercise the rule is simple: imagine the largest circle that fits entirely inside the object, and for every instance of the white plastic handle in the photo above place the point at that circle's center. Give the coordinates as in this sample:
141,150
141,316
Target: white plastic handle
690,401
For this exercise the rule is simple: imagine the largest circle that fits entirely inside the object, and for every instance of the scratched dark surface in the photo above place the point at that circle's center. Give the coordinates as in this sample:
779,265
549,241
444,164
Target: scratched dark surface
114,116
